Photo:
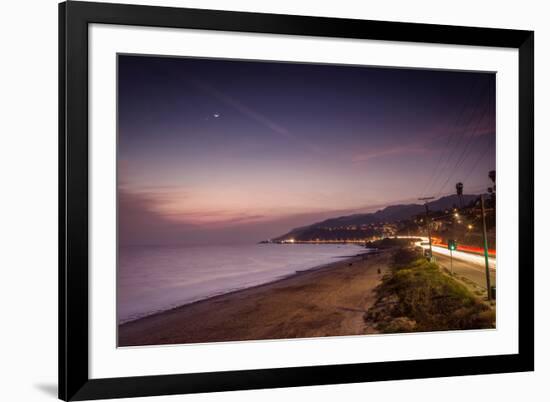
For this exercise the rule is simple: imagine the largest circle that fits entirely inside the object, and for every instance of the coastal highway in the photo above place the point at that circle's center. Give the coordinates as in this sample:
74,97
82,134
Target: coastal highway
468,265
470,258
473,272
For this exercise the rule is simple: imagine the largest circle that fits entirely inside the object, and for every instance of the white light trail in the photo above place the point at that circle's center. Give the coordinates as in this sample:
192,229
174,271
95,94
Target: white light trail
475,259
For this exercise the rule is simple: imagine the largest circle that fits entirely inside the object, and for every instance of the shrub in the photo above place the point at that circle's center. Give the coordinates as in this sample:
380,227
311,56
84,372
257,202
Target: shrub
425,299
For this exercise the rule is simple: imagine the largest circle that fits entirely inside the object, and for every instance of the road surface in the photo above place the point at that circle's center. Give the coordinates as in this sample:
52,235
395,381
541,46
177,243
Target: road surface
467,265
472,272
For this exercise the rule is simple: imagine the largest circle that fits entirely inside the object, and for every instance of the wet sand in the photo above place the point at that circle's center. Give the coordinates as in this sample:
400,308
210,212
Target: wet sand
325,301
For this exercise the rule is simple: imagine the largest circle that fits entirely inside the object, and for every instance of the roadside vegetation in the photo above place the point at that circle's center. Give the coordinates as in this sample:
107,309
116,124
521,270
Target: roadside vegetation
417,296
389,242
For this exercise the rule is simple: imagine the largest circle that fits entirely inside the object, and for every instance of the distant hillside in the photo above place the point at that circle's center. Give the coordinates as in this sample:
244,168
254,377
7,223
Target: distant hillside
330,228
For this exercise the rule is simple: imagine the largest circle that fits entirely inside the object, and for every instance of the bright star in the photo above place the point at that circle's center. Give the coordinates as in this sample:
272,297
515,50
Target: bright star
216,115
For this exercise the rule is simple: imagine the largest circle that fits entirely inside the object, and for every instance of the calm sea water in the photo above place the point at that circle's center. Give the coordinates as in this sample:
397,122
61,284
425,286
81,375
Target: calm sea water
153,279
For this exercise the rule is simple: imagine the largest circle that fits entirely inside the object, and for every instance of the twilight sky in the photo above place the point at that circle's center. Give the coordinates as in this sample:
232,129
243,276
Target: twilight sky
218,151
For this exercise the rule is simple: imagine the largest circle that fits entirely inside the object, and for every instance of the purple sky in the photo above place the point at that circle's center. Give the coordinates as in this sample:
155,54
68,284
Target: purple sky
232,151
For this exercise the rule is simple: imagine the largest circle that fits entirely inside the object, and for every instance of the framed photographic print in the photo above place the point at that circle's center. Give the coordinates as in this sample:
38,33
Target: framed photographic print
257,201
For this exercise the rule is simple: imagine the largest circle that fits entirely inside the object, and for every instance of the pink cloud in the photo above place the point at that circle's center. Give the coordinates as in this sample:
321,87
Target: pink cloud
378,153
213,218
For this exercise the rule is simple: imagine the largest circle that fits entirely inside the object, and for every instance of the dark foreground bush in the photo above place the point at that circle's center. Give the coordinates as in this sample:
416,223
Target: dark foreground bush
390,242
404,257
417,296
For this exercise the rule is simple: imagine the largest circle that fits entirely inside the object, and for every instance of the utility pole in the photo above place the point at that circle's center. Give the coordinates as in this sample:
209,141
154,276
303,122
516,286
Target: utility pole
426,199
486,252
451,245
459,193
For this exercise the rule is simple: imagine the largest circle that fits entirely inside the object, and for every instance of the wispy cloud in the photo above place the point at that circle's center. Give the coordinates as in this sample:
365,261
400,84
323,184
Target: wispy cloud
208,218
256,116
392,151
140,221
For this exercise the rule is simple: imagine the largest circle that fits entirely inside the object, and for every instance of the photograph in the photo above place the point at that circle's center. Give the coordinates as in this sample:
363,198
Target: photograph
265,200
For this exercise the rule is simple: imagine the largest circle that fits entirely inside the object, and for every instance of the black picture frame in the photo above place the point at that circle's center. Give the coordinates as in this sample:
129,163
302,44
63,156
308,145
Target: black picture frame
74,381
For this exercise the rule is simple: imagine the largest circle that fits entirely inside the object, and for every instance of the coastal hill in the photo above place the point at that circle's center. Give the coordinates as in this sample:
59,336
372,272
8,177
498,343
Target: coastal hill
369,224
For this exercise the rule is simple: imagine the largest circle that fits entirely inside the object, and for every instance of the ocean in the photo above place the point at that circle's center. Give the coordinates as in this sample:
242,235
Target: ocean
151,279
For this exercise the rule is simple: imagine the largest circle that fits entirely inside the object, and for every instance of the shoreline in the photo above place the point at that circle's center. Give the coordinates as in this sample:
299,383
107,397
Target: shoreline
342,258
289,303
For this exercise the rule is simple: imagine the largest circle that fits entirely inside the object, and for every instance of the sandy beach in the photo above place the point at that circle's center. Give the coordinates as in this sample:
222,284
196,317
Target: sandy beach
326,301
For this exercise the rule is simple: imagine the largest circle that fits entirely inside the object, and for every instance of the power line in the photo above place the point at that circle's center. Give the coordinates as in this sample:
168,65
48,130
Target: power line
463,156
436,171
448,149
481,156
456,147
